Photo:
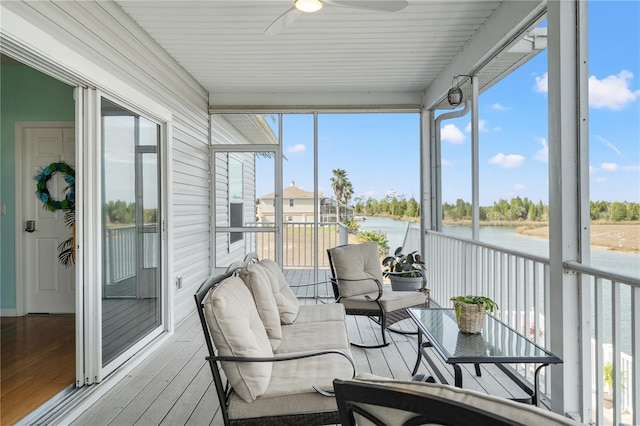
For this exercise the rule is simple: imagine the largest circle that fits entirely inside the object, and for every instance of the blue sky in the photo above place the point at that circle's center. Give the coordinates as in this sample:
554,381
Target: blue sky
380,152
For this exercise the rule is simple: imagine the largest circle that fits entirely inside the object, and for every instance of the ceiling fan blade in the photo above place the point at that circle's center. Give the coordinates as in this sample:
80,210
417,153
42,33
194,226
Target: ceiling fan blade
282,22
378,5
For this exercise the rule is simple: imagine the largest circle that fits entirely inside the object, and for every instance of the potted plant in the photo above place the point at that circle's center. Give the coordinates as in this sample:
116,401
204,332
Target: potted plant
470,312
405,271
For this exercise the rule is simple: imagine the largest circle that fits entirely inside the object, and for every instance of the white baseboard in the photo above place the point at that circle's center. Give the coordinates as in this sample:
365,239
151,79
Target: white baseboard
8,312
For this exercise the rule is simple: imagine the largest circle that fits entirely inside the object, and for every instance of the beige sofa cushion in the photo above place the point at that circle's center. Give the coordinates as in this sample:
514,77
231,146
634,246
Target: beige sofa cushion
290,390
258,281
522,413
237,330
358,262
321,312
302,337
287,302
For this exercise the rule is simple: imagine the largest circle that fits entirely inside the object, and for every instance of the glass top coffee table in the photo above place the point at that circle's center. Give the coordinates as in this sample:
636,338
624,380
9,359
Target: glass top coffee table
496,344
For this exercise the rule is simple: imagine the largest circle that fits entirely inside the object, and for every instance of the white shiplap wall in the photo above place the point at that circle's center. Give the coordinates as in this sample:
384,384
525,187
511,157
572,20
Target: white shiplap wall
101,33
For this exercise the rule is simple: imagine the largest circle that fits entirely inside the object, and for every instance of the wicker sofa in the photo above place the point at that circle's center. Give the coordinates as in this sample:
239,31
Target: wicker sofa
279,358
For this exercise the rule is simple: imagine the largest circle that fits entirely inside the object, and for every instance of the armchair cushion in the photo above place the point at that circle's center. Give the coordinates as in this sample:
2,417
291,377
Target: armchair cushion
355,266
236,330
287,302
390,300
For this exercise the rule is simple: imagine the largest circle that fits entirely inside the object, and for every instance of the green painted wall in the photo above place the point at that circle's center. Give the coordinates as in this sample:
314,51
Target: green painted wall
25,95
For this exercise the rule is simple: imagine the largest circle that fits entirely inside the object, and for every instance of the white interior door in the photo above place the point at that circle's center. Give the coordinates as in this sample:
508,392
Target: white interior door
48,286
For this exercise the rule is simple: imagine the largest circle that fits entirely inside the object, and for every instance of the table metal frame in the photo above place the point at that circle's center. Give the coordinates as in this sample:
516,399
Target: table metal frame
424,333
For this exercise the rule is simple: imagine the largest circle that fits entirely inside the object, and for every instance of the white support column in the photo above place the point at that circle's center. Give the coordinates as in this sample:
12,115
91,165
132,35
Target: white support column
427,182
568,201
475,161
427,167
278,209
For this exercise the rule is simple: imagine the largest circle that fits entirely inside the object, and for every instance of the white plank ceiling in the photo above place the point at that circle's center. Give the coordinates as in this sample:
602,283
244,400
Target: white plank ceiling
338,51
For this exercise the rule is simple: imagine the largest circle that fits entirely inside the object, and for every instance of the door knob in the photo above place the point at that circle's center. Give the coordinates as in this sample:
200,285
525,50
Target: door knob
31,226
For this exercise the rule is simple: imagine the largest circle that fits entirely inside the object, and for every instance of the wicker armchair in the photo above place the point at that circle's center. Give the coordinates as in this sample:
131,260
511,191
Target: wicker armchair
357,284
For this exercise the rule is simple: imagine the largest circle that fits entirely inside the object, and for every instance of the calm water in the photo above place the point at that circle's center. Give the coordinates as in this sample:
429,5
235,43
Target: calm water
614,261
619,262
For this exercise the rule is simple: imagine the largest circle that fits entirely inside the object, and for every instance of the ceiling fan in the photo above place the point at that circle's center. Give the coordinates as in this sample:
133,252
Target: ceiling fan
309,6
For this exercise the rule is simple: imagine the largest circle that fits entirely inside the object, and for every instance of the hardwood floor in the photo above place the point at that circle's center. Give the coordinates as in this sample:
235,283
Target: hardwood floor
37,362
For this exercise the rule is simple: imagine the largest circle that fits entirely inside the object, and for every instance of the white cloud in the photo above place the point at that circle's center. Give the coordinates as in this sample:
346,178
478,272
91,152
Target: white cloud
612,92
297,148
452,134
369,194
600,179
592,169
543,153
519,187
482,126
444,162
610,167
497,129
610,145
499,107
542,84
510,161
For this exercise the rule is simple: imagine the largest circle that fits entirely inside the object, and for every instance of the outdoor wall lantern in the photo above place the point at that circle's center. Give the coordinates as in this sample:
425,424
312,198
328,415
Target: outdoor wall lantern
455,93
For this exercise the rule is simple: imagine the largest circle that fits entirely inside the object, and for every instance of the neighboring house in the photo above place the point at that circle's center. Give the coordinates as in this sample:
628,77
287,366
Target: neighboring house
298,205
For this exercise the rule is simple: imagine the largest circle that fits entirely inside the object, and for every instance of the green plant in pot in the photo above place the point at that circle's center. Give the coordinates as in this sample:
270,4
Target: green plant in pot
470,312
405,271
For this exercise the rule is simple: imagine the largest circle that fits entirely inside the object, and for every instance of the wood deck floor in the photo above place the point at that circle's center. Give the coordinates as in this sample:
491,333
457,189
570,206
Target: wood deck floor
174,385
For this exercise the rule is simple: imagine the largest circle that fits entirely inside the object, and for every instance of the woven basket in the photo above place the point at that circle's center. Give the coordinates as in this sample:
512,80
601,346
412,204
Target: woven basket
470,317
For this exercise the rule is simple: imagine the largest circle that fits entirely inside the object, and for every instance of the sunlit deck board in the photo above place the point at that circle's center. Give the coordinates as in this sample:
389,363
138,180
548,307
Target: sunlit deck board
174,385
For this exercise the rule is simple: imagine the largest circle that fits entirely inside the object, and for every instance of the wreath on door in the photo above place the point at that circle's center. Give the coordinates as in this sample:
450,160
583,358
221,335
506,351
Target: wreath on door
45,175
66,252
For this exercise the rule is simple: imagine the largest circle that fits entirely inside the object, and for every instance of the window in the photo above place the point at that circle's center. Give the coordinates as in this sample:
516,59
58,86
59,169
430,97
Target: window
289,218
236,198
291,202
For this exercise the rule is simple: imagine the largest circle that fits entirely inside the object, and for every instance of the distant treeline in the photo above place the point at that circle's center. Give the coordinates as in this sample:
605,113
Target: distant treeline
123,213
390,206
514,210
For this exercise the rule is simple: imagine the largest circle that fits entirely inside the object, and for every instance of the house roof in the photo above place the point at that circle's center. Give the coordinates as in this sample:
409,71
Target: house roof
340,56
293,191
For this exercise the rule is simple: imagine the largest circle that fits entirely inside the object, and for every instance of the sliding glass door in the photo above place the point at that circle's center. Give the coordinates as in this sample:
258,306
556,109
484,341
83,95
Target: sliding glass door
131,244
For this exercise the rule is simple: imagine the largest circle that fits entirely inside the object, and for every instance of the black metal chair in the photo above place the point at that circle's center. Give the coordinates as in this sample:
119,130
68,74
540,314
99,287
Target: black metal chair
399,404
357,283
223,388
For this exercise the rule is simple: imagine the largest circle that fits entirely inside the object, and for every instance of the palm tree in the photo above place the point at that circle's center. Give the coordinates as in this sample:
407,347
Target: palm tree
347,193
338,182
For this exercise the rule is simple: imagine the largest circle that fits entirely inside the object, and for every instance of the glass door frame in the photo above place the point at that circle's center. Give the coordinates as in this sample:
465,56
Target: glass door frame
91,235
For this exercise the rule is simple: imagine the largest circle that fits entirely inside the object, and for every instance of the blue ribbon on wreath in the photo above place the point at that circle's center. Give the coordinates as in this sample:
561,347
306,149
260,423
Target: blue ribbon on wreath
43,177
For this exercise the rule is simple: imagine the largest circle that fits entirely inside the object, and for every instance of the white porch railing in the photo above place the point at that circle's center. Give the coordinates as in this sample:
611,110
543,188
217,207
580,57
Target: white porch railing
121,254
519,283
298,243
615,331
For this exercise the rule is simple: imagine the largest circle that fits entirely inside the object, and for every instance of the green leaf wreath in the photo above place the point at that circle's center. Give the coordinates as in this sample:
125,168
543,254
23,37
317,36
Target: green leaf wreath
66,253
